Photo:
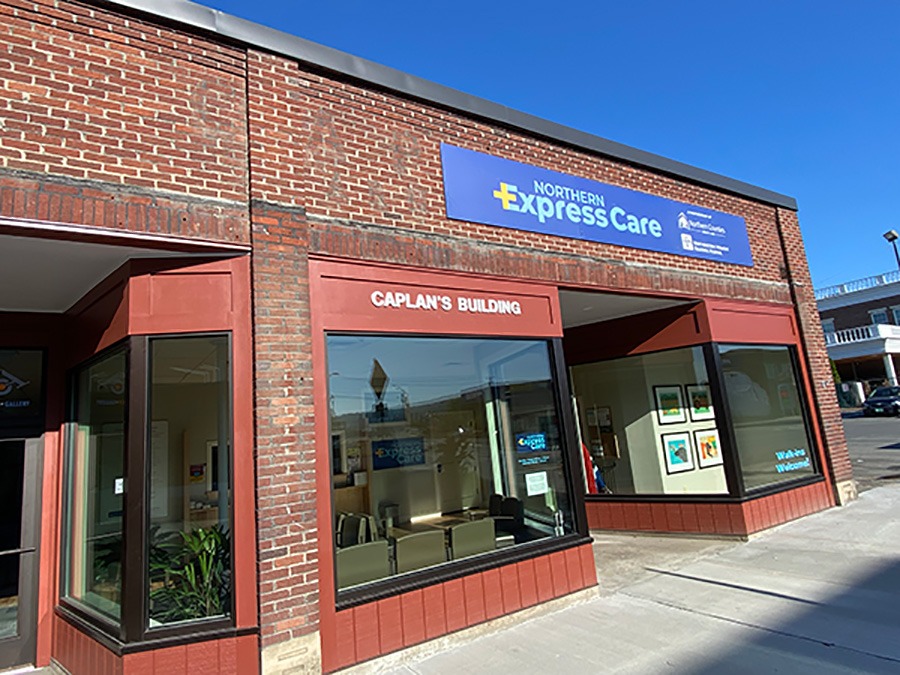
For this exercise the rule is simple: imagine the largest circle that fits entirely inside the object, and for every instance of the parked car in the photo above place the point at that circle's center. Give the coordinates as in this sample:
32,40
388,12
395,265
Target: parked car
883,401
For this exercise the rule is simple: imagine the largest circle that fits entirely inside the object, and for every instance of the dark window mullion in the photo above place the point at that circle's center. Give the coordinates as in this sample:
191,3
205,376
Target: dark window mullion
134,573
572,459
800,384
724,423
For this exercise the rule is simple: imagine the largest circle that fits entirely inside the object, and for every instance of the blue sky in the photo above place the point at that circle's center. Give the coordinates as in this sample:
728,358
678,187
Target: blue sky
799,97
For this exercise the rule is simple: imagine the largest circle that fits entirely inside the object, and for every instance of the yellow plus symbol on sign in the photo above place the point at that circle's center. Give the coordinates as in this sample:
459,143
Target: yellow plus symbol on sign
504,195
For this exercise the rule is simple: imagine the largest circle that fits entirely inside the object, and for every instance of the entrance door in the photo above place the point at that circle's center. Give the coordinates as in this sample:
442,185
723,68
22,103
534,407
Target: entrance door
19,509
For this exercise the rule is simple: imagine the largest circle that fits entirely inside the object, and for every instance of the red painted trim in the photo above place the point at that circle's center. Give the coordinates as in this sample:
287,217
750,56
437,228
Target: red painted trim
343,300
246,605
381,627
751,322
648,332
711,518
462,601
126,303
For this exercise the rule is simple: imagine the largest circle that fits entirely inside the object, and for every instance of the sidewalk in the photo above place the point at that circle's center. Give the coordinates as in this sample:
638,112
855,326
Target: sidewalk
820,595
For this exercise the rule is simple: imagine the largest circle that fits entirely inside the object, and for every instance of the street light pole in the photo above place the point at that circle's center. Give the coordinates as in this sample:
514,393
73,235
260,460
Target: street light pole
892,236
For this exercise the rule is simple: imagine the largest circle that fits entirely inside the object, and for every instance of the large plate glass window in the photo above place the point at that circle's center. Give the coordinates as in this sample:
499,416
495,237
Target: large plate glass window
649,424
94,554
189,538
770,430
442,449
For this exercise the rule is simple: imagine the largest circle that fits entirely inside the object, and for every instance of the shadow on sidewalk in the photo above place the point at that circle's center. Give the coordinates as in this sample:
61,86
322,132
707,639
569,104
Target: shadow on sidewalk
854,632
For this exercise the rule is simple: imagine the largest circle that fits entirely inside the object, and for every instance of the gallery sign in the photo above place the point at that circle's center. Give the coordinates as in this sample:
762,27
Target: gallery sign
21,386
485,189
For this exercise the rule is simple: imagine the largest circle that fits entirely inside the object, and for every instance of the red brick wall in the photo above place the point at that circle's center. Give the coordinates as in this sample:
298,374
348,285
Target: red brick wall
374,159
811,334
286,496
111,121
361,170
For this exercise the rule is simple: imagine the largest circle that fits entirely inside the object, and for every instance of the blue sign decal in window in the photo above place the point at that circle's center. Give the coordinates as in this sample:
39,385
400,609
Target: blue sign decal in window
481,188
531,442
396,452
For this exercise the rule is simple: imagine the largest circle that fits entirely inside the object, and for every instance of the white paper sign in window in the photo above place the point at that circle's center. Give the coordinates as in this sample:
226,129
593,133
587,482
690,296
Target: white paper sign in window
536,483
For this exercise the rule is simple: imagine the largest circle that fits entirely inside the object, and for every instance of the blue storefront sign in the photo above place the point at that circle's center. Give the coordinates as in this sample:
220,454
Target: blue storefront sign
485,189
396,452
531,442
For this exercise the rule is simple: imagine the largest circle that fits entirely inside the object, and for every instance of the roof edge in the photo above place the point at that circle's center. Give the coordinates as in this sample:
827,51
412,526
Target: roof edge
328,58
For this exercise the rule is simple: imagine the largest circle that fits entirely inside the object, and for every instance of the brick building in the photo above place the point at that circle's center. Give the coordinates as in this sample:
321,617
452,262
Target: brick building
861,320
279,319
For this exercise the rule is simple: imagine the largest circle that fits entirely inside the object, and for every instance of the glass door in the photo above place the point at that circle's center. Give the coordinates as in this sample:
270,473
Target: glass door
19,504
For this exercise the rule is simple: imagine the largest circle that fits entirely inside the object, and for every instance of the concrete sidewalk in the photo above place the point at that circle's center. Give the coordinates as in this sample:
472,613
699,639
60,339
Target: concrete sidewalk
820,595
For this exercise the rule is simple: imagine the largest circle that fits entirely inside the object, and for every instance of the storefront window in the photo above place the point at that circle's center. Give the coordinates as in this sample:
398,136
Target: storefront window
773,443
176,498
189,539
96,484
649,425
442,449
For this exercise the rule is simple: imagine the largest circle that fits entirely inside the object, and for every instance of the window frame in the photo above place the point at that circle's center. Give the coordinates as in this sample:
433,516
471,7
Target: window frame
873,312
133,632
741,492
72,606
455,569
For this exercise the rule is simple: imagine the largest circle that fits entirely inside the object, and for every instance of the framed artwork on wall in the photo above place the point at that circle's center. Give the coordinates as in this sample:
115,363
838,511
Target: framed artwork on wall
669,404
677,452
700,402
709,451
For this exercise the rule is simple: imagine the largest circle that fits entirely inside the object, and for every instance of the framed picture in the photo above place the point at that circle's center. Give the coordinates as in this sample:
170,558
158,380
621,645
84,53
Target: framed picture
669,404
677,452
700,402
709,450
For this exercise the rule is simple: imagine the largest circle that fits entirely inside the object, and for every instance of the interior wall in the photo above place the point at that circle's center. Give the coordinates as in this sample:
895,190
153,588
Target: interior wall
188,413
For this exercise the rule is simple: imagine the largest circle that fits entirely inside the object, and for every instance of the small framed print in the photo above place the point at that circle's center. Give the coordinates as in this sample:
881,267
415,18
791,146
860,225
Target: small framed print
700,402
669,404
709,451
677,452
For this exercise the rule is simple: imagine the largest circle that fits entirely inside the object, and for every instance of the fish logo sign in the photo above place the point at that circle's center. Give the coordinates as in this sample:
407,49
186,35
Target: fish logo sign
10,383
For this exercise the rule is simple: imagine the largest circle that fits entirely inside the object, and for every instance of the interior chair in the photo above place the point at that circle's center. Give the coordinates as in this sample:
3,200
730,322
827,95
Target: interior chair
362,563
511,520
495,501
355,528
420,550
472,538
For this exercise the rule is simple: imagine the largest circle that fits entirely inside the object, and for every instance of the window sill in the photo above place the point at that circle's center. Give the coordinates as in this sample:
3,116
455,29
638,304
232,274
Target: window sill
202,633
757,493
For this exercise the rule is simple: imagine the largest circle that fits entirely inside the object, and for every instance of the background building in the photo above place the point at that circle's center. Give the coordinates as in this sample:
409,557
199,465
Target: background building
861,320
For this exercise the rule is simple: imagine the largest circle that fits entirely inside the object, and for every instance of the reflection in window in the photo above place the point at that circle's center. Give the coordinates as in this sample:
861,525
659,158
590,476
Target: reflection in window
772,439
189,484
441,449
96,484
649,425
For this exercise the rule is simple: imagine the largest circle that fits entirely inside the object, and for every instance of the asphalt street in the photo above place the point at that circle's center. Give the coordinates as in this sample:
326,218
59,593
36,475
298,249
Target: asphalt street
874,445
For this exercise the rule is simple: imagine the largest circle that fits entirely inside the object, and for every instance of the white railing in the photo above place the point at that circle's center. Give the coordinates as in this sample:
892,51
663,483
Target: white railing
879,331
858,285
